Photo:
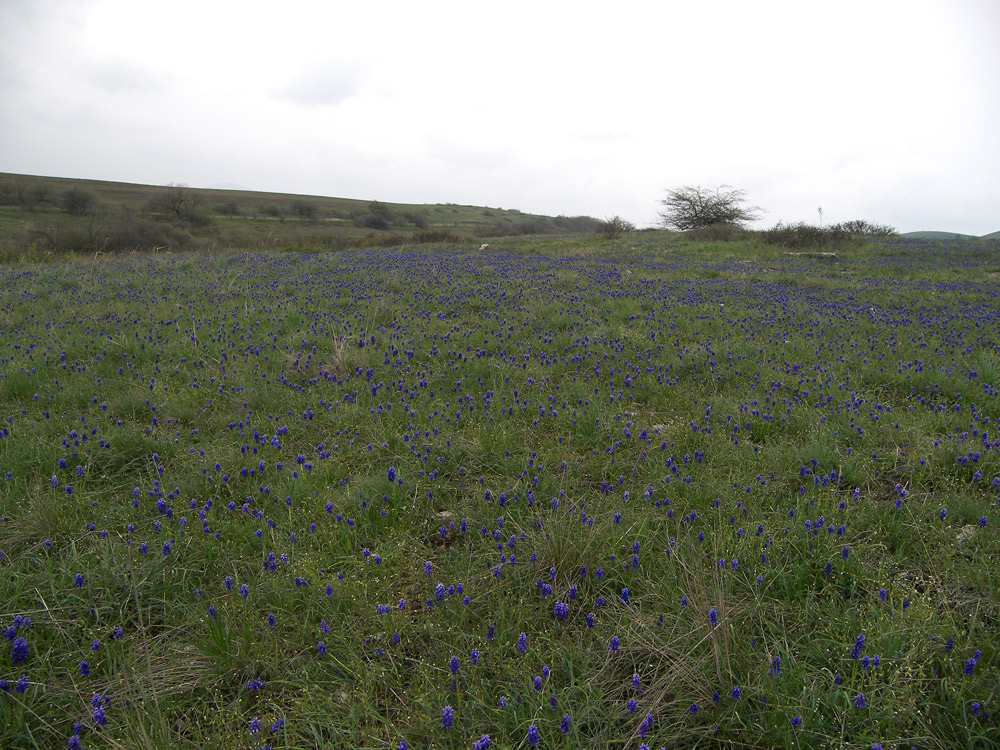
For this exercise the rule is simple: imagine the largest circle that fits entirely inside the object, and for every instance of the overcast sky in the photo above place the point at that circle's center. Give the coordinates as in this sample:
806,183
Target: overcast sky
882,110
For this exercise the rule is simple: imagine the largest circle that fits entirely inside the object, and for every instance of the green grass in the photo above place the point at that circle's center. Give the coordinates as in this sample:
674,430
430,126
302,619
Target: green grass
576,400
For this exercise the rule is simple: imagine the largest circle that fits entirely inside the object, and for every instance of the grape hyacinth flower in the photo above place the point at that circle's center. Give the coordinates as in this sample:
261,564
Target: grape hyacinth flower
522,643
561,610
19,651
565,724
646,725
447,717
713,617
533,737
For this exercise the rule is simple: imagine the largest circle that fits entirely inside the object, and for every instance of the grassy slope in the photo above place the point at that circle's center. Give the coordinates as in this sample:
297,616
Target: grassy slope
47,227
138,196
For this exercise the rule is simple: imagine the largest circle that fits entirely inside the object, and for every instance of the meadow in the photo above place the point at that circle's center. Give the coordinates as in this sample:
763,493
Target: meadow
556,494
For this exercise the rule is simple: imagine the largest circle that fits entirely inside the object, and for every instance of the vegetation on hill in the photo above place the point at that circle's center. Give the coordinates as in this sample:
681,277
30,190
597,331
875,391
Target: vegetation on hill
55,216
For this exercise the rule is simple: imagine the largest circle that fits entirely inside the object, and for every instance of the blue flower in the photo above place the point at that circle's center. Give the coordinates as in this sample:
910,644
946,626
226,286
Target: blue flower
796,721
565,724
533,737
693,709
646,725
561,610
453,665
713,617
859,643
78,580
482,743
19,651
860,701
775,666
522,643
447,717
735,693
613,643
97,712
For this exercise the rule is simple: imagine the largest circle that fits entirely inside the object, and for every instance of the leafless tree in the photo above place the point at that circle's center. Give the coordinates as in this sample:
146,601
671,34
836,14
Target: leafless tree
615,227
178,200
696,207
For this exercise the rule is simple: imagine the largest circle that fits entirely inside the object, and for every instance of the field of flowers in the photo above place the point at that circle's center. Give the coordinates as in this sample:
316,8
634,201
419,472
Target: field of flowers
686,496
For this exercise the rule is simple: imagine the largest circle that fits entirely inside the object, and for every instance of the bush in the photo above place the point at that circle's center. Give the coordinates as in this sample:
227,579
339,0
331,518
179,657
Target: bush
804,235
229,208
77,202
864,228
581,224
417,219
372,221
128,233
304,210
614,227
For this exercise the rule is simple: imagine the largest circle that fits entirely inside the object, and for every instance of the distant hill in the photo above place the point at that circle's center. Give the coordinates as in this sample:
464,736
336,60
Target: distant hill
992,236
256,203
941,236
57,215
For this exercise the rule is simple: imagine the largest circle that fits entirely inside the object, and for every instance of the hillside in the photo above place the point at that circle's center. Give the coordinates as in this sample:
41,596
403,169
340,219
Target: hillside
940,236
57,214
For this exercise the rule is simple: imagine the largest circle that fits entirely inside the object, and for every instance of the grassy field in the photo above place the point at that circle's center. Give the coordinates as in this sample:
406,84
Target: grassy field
566,494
